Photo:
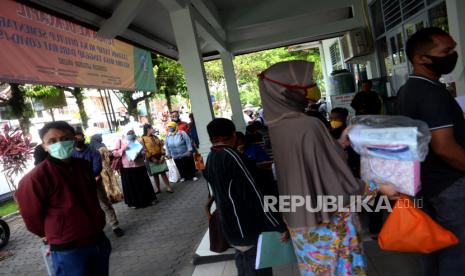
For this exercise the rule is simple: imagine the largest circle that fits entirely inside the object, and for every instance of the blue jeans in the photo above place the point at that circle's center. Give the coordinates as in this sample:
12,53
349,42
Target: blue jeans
448,209
88,260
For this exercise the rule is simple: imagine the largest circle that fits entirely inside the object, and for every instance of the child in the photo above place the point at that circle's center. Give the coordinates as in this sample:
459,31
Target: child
338,119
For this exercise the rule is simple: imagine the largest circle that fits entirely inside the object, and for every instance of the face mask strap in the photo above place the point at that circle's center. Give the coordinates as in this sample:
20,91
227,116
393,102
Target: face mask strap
288,86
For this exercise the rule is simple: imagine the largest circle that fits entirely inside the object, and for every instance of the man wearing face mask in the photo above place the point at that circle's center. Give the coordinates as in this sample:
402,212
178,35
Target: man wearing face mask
432,54
83,151
57,201
183,126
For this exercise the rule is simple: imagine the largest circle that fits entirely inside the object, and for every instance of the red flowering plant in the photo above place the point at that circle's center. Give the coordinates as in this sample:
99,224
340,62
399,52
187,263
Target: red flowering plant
15,151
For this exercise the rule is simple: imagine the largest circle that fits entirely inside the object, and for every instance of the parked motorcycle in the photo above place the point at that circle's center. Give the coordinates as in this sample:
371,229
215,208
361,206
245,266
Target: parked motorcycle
4,233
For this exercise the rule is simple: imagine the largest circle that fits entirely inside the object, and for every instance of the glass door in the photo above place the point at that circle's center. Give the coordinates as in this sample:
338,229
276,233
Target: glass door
399,71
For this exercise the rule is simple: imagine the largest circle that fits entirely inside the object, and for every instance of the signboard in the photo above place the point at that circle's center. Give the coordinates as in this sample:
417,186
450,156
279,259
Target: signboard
344,101
37,47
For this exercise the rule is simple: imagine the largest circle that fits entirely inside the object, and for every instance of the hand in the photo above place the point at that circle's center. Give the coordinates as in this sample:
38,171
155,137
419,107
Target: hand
390,191
344,140
168,157
285,236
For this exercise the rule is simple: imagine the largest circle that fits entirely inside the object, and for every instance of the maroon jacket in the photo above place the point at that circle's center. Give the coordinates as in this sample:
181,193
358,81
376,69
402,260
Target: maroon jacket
59,201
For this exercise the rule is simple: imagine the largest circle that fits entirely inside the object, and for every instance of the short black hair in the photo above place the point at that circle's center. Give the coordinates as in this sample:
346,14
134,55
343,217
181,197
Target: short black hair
146,128
368,82
422,41
221,127
343,112
78,131
61,125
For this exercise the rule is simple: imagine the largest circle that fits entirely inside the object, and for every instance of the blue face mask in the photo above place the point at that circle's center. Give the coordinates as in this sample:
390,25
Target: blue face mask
61,150
171,129
131,137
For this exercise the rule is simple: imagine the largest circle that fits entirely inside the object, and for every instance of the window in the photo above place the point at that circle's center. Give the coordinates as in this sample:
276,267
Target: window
392,13
377,18
383,57
411,7
336,59
438,17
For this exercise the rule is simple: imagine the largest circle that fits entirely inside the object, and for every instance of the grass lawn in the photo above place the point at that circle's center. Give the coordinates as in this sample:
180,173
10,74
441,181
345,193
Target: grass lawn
8,208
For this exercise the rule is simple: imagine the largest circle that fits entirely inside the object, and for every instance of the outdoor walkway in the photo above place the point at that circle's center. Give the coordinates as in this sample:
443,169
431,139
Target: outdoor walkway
161,240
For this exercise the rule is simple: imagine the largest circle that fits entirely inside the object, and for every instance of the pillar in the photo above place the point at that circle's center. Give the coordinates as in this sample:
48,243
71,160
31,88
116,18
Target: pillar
455,12
191,60
233,91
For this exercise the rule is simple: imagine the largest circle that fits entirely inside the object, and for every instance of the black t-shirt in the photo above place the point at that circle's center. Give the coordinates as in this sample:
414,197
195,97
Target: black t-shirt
429,101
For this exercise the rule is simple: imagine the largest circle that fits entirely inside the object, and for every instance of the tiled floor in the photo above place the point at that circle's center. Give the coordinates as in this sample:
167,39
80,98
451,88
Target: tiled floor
380,263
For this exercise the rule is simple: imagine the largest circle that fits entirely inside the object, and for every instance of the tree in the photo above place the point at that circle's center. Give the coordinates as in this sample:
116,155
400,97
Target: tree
79,96
132,99
170,78
248,66
18,103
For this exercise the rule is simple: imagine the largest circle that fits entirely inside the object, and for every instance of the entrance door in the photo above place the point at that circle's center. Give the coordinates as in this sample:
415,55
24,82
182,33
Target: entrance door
412,26
395,40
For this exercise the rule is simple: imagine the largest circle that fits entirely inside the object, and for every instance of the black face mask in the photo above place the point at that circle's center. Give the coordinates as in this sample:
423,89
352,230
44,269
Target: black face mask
79,144
443,65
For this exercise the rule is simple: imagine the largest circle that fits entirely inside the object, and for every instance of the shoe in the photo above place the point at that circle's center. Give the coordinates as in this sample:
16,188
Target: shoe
157,192
182,180
195,179
170,191
118,232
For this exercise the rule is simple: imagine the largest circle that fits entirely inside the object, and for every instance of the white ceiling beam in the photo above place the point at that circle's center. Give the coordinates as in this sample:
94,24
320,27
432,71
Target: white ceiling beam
207,32
270,10
209,11
173,5
121,18
93,19
293,36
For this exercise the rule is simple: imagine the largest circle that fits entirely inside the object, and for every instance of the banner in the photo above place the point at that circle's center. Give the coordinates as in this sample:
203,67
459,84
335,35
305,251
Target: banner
37,47
344,101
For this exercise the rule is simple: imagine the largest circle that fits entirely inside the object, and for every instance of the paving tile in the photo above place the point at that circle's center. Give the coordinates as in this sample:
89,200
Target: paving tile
159,240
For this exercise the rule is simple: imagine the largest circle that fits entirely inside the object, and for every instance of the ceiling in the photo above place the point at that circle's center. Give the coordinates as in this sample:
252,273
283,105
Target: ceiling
237,26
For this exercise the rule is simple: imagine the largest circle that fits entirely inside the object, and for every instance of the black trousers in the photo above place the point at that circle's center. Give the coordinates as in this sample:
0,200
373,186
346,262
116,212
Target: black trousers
186,167
245,263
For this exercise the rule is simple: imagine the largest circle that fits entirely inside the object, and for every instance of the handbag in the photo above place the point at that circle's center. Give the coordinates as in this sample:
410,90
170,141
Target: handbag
409,229
404,175
199,164
218,243
117,162
155,168
173,173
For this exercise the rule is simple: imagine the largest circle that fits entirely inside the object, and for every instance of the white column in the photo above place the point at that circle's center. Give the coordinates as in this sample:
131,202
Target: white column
233,91
191,60
456,19
323,68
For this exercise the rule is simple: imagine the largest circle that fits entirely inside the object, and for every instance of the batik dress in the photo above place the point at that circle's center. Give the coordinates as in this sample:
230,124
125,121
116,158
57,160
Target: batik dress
332,248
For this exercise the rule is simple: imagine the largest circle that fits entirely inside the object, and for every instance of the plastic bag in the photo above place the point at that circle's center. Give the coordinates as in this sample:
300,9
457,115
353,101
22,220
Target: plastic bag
173,173
409,229
390,137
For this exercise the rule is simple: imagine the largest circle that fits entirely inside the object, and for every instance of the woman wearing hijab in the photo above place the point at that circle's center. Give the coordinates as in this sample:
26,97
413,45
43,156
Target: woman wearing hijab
137,188
311,163
179,147
108,175
155,156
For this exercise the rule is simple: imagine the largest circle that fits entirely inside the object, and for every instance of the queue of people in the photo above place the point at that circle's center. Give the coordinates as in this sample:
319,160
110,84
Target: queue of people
62,198
310,160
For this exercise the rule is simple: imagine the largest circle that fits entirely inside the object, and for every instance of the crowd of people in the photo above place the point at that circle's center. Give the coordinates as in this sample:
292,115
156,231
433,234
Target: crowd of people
310,159
64,200
286,150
